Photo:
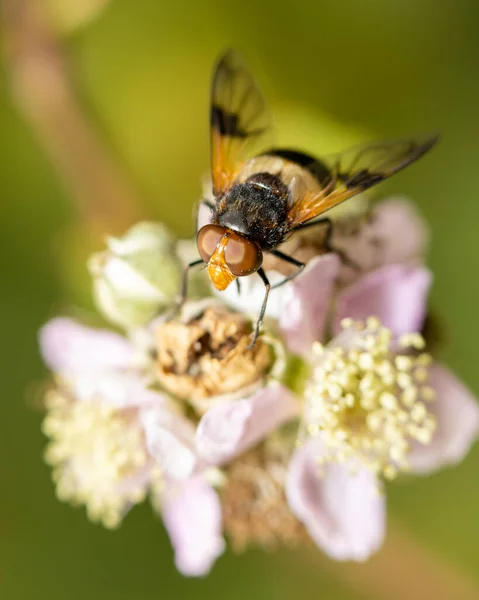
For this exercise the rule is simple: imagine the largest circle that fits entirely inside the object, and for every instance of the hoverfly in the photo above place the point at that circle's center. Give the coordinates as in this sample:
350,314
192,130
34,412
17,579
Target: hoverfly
261,197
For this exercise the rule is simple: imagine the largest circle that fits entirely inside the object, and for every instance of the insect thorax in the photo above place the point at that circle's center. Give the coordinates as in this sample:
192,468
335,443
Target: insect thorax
257,209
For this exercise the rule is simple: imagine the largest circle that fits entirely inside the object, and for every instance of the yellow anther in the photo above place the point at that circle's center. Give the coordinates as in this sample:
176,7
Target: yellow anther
349,400
373,323
318,348
412,340
428,394
367,401
388,401
421,374
335,391
403,363
418,412
424,436
404,380
390,472
365,361
424,360
94,449
409,396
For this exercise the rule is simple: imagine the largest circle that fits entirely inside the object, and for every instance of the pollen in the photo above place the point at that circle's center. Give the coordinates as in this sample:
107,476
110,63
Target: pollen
98,456
369,402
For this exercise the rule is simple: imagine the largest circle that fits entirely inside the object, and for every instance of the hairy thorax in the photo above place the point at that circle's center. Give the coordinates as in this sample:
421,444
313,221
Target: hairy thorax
256,209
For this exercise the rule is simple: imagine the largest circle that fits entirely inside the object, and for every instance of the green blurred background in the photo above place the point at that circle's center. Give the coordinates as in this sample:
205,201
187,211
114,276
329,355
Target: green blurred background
103,118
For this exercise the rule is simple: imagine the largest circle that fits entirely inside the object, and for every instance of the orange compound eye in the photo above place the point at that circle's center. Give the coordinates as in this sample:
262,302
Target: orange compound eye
243,256
207,239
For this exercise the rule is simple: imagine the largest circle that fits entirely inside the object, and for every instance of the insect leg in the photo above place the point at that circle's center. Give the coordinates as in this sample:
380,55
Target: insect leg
184,288
292,261
325,220
267,286
327,241
238,286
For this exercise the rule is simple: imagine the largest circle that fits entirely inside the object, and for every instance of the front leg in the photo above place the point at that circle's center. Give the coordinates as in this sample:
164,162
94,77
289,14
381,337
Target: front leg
327,241
184,288
267,286
289,259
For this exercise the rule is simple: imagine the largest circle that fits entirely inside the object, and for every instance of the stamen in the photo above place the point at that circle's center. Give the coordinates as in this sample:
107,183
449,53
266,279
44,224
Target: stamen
367,402
97,453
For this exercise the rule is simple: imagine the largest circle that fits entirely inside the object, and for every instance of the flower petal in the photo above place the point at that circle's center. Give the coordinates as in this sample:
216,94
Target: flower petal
306,303
70,348
343,512
396,294
396,233
120,389
402,229
457,413
130,281
192,517
301,305
170,440
231,427
251,295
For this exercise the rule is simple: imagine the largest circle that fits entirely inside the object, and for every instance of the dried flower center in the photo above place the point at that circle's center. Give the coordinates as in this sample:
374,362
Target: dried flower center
255,511
209,355
368,402
97,453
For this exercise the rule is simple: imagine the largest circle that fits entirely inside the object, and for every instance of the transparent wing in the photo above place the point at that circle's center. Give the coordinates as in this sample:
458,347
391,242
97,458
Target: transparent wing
354,171
239,120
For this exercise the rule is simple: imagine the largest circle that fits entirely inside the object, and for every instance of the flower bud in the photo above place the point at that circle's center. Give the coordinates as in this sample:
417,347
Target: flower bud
138,275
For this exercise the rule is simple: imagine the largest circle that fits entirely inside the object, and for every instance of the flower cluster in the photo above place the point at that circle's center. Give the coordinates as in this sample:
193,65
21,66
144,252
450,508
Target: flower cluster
274,444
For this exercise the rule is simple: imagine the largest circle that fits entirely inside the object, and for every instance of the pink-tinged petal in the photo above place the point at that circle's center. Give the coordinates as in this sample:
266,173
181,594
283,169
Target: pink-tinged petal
301,306
396,294
457,413
192,517
203,216
121,389
395,234
231,427
70,348
306,303
170,441
403,230
343,512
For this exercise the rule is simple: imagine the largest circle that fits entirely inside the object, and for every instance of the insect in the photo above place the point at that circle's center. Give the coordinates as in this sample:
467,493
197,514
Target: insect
262,197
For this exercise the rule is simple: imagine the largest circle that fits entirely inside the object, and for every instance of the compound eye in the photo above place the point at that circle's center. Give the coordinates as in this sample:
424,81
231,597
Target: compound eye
243,256
207,238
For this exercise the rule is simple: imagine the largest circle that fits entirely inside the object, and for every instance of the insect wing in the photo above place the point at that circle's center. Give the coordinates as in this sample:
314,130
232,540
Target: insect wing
239,120
355,171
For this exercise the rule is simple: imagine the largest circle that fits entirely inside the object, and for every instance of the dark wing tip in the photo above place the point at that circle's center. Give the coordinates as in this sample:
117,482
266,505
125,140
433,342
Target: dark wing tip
229,58
421,145
430,140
